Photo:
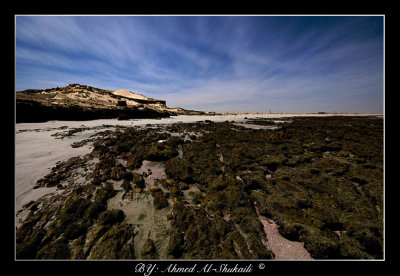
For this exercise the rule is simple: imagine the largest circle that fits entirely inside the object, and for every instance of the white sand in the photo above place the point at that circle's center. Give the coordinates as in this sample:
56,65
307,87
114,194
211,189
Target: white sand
35,154
171,120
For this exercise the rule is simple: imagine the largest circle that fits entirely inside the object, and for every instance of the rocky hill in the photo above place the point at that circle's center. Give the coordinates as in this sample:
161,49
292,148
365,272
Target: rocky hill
83,102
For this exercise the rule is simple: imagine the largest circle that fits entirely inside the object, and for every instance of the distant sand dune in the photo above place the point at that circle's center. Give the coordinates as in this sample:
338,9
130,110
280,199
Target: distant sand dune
129,94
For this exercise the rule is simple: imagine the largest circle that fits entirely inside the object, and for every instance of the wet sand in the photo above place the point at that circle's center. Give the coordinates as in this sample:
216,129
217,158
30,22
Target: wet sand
283,249
150,222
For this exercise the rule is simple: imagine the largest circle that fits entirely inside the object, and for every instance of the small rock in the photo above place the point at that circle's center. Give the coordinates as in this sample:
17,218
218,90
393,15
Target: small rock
138,180
134,161
160,200
183,186
154,188
168,183
117,172
148,250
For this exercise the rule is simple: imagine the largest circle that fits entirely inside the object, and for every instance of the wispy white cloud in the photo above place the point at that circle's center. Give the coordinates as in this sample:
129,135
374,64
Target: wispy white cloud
208,63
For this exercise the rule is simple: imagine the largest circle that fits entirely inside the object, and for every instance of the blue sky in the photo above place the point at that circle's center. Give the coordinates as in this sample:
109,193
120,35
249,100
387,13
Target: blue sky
211,63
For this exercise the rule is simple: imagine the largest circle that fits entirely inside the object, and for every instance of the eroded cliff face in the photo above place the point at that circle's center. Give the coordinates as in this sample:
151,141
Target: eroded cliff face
82,102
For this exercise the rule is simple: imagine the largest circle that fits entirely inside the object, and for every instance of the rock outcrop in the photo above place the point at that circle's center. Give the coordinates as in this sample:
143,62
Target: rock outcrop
82,102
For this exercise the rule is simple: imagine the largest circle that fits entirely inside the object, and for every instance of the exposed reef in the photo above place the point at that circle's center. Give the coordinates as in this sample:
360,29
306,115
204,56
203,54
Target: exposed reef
197,191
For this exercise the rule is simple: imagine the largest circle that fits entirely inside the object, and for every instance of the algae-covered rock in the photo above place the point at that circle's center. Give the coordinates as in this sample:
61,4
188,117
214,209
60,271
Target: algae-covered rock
197,197
179,169
27,248
274,161
176,242
319,246
261,199
57,249
183,186
254,180
161,152
95,208
167,183
116,243
111,217
96,181
176,191
332,166
118,172
105,193
218,184
154,188
201,236
75,207
216,202
134,161
93,236
126,185
138,180
76,229
160,199
148,250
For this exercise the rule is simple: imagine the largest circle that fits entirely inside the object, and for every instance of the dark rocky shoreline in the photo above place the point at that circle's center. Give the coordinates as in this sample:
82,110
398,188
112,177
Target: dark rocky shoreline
33,112
319,178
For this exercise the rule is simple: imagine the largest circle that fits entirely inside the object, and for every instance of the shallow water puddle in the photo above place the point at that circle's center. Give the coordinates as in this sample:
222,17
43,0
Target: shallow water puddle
157,171
254,126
